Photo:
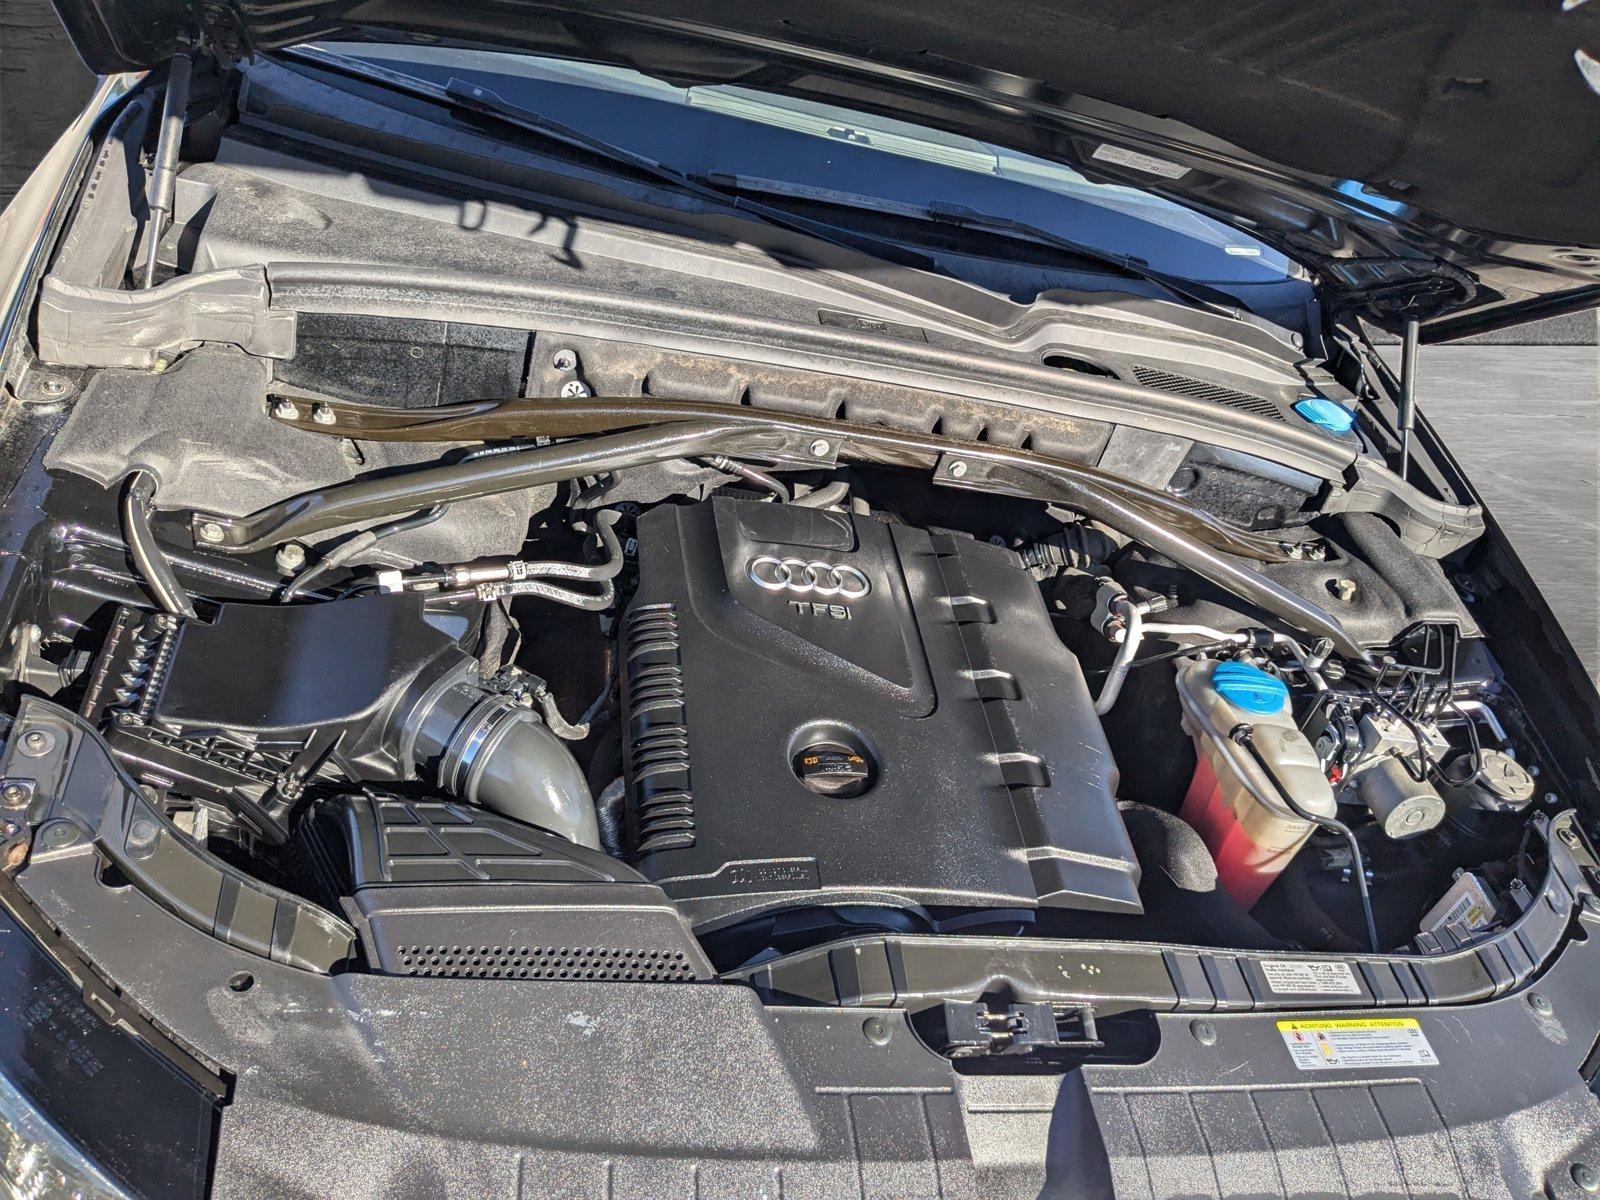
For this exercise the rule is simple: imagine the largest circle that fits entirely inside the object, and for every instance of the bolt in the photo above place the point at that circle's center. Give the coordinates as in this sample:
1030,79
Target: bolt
13,795
1552,800
38,742
575,389
11,828
1540,1003
1203,1032
291,557
127,718
165,622
210,531
286,410
1589,903
52,386
820,448
878,1030
1586,1177
958,469
1344,590
323,415
564,360
142,837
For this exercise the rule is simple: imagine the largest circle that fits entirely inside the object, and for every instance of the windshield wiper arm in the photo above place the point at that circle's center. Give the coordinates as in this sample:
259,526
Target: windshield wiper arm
1202,294
489,105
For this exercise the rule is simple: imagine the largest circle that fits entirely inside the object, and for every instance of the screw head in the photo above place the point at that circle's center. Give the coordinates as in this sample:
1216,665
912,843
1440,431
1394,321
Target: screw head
1540,1003
1203,1032
241,981
1586,1177
209,531
286,410
38,742
575,389
53,386
13,795
877,1030
564,360
820,448
958,469
291,557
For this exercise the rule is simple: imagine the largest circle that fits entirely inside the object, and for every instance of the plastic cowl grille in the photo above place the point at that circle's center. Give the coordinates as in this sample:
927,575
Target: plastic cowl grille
1199,389
619,964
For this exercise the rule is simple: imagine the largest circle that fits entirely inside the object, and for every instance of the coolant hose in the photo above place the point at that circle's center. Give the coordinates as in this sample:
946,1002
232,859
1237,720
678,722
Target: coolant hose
148,558
1132,635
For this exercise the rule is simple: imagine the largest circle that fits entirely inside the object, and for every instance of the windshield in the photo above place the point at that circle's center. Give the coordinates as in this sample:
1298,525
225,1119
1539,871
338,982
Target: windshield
813,152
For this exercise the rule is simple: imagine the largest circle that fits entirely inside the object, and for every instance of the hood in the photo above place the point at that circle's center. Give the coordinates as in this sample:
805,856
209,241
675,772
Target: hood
1437,159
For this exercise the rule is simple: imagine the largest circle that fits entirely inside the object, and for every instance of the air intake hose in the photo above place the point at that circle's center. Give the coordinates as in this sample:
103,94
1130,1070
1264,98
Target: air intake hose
488,749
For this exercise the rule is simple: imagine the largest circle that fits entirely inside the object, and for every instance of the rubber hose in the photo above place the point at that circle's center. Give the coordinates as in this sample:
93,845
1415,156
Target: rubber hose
148,559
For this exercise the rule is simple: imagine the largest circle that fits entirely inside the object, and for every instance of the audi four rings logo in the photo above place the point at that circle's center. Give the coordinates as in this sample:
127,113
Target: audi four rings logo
825,581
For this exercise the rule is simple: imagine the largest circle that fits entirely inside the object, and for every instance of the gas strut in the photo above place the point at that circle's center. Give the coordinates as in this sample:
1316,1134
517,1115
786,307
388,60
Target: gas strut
164,171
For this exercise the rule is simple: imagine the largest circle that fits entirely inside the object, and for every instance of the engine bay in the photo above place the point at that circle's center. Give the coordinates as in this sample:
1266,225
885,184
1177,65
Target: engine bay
711,714
640,607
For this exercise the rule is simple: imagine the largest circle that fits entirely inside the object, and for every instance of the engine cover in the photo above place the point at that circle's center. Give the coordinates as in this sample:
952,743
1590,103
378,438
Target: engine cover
825,709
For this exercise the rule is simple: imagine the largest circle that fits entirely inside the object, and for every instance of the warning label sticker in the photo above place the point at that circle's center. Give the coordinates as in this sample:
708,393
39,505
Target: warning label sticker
1369,1042
1148,163
1310,977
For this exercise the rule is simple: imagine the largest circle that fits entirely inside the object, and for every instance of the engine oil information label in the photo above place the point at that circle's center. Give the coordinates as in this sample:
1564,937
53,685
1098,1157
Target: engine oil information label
1148,163
1309,977
1369,1042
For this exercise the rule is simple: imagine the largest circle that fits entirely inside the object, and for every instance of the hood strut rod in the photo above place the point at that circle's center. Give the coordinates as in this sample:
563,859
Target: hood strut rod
1408,392
164,171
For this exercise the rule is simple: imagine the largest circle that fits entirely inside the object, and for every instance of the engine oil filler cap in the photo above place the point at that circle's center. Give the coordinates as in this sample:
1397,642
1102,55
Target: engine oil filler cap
1326,414
1250,688
833,770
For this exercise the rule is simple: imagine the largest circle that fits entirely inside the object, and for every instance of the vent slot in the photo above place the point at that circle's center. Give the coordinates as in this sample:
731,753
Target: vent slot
577,963
1199,389
661,802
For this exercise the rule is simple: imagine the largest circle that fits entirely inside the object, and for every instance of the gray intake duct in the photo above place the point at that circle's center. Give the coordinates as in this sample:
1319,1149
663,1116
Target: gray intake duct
489,750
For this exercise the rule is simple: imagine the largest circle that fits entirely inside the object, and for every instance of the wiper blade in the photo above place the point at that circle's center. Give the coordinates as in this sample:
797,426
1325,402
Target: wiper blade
488,105
940,212
1202,294
726,192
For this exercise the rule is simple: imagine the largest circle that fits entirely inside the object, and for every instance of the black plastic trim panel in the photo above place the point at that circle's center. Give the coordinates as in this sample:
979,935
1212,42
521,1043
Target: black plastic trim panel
913,971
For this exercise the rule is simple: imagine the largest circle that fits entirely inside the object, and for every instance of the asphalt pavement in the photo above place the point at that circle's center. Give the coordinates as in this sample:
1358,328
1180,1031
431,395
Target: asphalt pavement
1524,422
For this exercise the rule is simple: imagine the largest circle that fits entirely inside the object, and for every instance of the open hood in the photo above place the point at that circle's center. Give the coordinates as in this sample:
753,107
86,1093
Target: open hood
1438,160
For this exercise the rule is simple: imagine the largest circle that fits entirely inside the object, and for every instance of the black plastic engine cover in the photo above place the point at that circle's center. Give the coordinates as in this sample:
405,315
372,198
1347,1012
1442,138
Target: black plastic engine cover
989,781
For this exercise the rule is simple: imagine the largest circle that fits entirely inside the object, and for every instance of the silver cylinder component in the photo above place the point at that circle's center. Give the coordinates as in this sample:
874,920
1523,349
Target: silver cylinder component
1402,807
489,750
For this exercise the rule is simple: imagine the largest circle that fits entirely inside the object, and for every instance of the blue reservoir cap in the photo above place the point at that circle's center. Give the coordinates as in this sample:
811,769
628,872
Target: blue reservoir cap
1250,688
1326,414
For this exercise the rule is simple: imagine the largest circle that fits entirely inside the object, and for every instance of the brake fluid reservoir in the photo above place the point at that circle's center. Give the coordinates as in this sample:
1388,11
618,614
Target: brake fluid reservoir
1249,830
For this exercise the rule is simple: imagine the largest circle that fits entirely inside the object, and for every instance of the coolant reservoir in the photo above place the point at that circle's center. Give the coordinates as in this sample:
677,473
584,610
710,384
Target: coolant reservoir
1249,830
